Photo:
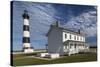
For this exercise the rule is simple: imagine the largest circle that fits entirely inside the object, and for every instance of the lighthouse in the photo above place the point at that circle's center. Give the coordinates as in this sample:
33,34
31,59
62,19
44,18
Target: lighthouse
26,33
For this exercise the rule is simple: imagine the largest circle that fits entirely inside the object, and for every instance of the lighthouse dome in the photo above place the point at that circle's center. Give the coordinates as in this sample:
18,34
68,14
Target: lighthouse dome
25,15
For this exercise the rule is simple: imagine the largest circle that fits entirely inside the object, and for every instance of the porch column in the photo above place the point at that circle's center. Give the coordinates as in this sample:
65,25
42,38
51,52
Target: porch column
69,49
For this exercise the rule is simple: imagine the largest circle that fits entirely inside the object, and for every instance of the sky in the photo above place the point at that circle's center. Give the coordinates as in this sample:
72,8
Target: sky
42,15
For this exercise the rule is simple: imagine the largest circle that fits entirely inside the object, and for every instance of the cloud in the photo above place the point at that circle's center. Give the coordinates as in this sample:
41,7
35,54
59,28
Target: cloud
86,21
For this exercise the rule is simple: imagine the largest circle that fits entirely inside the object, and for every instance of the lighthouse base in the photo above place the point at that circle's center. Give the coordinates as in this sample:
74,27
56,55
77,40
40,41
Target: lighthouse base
28,50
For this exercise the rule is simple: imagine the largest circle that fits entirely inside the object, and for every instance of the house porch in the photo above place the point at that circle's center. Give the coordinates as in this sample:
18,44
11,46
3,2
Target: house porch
72,47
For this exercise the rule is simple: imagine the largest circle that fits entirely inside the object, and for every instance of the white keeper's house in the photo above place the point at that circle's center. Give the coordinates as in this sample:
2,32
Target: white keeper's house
64,41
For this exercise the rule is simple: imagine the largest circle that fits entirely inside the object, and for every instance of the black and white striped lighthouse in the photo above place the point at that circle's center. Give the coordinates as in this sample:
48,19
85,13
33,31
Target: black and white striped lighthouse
26,33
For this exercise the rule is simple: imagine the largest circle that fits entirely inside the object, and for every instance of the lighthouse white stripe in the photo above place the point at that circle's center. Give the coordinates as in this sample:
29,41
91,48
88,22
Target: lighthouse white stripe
26,34
26,44
26,22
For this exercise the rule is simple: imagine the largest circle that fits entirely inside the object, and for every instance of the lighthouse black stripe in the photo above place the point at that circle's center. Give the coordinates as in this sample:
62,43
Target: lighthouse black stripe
26,40
26,28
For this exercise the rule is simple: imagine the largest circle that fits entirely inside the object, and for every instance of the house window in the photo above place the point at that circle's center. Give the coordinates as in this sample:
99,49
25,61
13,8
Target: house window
71,45
65,35
82,44
70,36
74,37
66,47
75,45
77,38
81,38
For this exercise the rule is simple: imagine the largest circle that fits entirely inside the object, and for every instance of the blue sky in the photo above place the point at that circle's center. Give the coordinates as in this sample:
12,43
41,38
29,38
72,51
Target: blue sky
42,15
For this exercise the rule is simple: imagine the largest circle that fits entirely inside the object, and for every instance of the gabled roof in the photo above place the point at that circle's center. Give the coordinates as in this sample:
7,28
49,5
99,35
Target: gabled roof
63,30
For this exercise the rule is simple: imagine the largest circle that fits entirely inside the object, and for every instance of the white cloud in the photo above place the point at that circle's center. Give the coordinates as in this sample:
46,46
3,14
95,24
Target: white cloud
86,22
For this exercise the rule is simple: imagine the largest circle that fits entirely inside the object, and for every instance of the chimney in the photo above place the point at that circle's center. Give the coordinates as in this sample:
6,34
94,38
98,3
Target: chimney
57,24
79,31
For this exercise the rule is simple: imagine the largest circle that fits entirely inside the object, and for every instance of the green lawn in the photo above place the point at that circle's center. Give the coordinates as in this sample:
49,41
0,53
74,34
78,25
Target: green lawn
23,59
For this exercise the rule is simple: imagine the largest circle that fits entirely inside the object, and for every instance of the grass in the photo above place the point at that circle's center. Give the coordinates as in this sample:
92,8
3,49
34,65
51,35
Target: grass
23,59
